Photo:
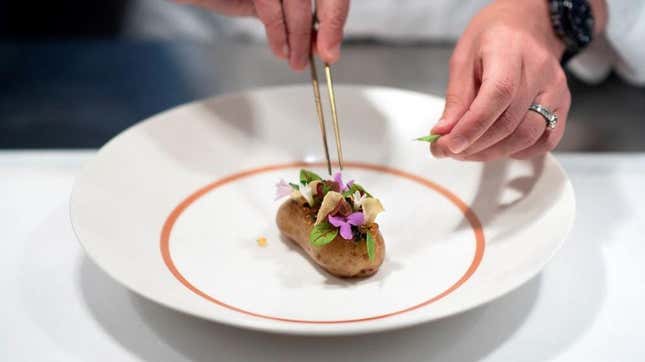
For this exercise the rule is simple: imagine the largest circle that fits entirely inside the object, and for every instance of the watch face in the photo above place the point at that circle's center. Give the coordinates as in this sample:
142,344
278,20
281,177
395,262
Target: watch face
573,22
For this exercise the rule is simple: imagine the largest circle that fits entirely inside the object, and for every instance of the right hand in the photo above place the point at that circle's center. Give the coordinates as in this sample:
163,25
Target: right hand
288,25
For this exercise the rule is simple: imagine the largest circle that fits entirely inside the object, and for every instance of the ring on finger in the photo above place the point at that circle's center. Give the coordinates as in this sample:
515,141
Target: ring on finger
550,117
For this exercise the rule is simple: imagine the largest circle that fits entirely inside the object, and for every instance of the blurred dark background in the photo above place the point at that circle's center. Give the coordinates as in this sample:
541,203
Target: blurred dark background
75,73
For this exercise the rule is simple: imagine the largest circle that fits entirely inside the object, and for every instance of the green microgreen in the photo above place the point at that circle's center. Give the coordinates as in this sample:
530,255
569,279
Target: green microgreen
429,138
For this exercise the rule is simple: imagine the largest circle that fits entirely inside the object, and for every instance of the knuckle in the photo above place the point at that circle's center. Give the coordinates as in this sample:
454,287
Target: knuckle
479,125
504,88
506,124
453,100
335,17
336,22
275,21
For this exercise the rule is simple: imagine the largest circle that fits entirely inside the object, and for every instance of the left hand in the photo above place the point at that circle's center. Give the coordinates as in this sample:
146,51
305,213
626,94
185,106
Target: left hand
507,59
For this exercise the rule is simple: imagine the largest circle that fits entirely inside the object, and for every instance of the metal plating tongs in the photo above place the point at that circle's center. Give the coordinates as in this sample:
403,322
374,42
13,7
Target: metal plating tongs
319,109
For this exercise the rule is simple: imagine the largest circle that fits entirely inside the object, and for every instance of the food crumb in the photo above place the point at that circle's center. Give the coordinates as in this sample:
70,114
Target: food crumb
262,241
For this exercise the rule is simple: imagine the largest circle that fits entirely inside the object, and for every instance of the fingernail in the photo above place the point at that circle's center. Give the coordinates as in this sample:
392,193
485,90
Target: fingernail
458,144
440,123
299,61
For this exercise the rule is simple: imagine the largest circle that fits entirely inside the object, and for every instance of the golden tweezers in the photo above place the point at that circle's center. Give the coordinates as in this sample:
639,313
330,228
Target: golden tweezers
319,109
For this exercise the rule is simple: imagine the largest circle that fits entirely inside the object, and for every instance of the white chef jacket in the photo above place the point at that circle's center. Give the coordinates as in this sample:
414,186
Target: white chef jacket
622,48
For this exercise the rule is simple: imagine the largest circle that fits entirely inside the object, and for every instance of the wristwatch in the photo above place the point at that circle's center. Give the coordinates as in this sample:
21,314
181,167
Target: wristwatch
573,22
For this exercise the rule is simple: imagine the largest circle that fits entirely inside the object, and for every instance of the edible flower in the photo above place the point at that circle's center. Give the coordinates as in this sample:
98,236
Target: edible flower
338,177
306,192
345,223
357,200
282,189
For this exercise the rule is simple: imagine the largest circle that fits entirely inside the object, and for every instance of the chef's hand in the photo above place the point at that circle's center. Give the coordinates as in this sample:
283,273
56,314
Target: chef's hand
507,59
288,25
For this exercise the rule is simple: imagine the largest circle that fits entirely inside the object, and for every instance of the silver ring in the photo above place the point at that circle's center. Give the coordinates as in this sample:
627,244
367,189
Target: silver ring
550,117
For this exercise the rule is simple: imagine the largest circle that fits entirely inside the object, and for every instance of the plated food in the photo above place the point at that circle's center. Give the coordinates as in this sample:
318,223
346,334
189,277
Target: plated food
203,260
333,222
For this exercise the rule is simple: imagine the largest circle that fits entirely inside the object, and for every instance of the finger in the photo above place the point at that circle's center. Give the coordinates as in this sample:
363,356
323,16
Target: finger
299,22
332,15
551,138
500,78
271,15
529,133
507,123
459,95
460,91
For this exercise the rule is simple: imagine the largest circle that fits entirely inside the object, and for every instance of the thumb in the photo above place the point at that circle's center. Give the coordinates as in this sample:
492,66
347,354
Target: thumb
459,95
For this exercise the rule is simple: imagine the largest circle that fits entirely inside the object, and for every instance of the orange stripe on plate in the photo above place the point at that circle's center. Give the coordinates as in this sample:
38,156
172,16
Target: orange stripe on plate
461,205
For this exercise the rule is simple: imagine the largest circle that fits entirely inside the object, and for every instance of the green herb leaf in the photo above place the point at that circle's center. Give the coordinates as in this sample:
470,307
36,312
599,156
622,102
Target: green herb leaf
307,176
294,186
371,246
429,138
357,187
322,234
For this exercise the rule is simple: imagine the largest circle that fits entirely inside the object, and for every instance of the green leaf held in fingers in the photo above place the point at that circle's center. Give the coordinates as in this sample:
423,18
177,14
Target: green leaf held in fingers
429,138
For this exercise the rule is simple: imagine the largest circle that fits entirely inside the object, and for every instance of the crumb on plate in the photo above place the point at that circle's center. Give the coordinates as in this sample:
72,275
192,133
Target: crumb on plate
262,241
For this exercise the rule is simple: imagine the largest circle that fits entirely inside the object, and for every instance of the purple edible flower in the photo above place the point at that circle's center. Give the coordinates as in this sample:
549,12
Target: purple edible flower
282,189
345,223
338,177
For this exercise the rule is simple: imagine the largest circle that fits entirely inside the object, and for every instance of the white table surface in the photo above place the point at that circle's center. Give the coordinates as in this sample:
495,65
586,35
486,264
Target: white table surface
56,305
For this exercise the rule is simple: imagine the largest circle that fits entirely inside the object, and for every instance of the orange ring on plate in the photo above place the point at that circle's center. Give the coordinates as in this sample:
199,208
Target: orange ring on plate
461,205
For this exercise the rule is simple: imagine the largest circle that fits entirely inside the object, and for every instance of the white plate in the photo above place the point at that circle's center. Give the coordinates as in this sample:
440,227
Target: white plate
173,206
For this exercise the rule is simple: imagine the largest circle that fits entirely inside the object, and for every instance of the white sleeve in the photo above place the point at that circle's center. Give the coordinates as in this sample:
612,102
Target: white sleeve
622,49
